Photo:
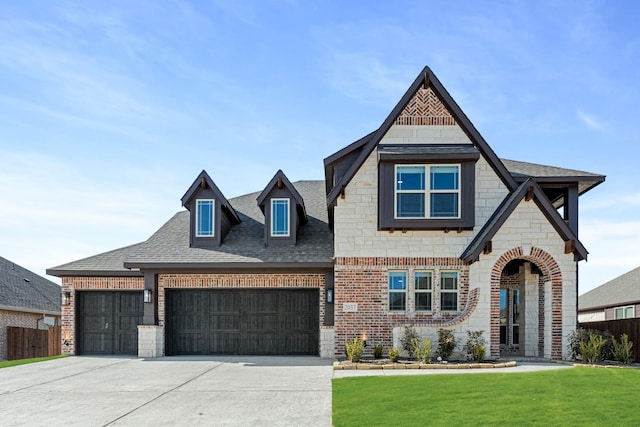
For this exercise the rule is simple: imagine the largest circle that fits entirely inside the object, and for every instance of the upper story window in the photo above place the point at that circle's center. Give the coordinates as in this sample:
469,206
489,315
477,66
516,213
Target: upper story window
427,191
280,222
449,291
204,217
624,312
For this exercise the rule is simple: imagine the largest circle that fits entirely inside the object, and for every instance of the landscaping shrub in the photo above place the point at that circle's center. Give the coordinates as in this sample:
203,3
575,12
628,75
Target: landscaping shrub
475,346
377,351
407,340
422,352
394,354
591,349
621,350
582,335
446,343
355,350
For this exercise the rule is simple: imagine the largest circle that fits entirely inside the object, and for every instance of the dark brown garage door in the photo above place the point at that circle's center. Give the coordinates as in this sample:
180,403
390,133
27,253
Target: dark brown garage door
242,321
108,322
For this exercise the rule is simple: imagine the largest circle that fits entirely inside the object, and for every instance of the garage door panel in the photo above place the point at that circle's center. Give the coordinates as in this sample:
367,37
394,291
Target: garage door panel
247,321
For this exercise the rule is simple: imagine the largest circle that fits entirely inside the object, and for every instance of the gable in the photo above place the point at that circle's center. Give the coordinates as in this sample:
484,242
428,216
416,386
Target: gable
425,109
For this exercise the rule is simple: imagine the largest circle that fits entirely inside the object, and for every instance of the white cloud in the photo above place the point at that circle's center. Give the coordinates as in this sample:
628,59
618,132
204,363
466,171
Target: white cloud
591,121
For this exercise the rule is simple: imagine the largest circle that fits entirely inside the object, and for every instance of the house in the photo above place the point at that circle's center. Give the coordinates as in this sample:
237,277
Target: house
617,299
26,301
417,223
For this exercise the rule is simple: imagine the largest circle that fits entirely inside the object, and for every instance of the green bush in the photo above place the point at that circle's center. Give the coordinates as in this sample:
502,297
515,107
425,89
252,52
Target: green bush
421,352
591,349
446,343
581,334
622,349
407,340
355,350
377,351
475,346
394,354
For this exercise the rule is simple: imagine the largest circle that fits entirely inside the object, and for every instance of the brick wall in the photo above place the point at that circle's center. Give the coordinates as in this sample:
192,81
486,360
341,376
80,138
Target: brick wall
73,284
365,281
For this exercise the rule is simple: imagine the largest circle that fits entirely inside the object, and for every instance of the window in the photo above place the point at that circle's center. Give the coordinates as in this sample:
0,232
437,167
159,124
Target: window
397,291
280,217
449,291
204,218
423,291
624,312
427,191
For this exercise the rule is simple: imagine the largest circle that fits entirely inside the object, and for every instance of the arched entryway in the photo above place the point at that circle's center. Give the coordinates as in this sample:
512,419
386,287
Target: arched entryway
526,305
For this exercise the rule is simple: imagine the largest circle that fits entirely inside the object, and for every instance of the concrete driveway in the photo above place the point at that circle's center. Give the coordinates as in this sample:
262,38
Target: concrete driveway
172,391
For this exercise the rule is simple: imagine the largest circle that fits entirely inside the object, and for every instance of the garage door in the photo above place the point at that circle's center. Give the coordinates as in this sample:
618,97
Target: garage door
242,321
108,322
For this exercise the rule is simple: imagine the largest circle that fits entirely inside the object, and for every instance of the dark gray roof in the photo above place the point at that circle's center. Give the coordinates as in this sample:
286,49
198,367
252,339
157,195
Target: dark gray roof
622,290
105,264
543,173
506,208
21,289
243,246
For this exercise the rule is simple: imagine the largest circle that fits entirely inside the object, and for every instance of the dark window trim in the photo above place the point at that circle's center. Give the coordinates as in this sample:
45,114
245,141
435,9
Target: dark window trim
386,194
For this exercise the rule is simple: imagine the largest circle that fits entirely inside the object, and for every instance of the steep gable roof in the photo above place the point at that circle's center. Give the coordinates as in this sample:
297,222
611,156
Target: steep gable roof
506,208
204,181
281,180
425,78
622,290
23,290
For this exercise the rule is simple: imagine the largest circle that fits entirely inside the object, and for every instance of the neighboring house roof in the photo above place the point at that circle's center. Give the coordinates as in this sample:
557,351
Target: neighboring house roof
23,290
622,290
529,188
369,142
542,173
243,247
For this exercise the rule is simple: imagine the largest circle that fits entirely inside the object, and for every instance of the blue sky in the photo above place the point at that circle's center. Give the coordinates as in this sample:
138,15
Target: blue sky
109,110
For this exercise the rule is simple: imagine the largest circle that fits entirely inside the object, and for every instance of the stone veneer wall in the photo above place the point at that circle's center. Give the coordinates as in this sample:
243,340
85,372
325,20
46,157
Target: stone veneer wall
86,283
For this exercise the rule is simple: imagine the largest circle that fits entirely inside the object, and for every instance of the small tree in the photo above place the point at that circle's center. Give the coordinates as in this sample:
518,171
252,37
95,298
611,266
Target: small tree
475,346
407,340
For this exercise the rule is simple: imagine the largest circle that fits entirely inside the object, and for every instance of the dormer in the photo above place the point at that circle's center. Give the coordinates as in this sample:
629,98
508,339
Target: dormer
283,210
211,215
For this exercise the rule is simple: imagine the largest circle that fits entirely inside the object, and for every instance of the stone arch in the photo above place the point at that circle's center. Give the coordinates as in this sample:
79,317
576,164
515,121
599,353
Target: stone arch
551,272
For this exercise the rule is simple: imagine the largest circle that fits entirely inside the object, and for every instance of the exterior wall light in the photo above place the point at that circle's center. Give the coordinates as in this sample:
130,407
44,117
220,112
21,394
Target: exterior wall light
146,296
66,298
330,296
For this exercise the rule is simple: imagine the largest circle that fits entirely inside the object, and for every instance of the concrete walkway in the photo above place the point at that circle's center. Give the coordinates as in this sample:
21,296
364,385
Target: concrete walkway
169,391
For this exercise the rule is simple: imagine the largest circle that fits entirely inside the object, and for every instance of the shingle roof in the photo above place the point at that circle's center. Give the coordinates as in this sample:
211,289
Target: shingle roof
243,246
541,173
622,290
107,263
24,290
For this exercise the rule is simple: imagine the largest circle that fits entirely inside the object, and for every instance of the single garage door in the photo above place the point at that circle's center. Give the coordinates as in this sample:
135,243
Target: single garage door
257,321
108,322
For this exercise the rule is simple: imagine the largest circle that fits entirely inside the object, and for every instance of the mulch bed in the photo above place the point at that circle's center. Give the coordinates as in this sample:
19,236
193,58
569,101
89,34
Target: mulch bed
383,364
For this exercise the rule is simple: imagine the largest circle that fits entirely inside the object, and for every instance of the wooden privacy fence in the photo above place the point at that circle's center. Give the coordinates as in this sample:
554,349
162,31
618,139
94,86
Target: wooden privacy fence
26,343
631,327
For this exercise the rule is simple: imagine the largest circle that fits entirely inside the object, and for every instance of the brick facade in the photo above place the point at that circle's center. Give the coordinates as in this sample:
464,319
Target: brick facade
19,319
365,281
89,283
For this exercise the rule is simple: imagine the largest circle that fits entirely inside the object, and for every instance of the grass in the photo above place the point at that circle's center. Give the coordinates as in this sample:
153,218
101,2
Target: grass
9,363
566,397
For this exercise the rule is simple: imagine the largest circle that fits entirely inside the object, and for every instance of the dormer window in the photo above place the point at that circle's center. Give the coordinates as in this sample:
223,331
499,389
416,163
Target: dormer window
427,191
280,219
205,213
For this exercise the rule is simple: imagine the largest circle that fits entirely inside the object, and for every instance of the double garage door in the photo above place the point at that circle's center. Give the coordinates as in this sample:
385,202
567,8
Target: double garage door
108,322
256,321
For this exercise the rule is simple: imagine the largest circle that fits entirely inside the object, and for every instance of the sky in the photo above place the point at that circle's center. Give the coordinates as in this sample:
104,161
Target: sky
110,110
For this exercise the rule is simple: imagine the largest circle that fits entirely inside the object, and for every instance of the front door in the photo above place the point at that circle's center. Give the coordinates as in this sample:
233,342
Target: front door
510,318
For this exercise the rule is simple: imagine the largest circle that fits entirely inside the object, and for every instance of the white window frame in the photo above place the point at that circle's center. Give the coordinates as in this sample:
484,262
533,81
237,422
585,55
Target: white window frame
624,312
427,191
417,291
396,291
273,223
450,291
213,217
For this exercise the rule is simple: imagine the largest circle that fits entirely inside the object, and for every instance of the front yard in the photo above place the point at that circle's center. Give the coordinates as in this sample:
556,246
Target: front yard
580,396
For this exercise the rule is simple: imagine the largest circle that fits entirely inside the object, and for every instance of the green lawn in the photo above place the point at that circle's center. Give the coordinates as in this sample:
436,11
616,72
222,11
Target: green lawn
578,396
8,363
